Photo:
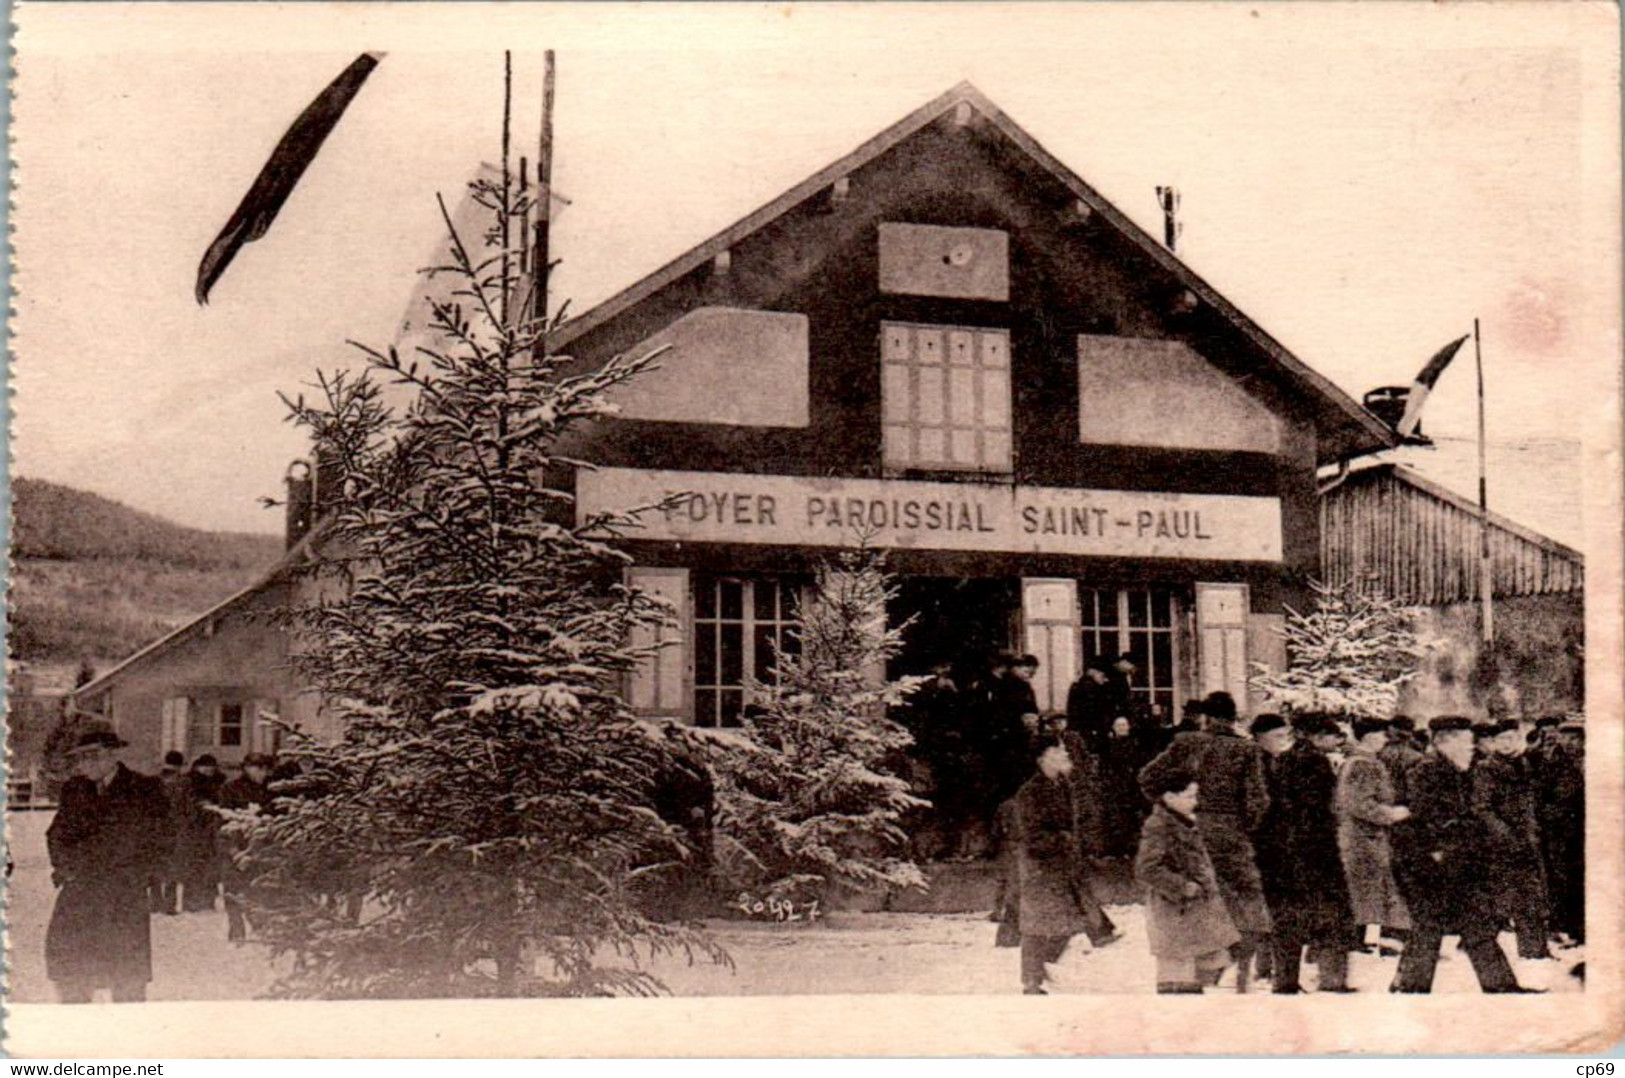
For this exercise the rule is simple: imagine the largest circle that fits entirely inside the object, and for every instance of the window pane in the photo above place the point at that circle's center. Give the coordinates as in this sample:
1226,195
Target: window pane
765,602
1139,614
932,450
1162,660
996,451
898,442
1108,608
705,598
1162,607
962,396
897,341
731,668
964,447
733,599
896,393
996,400
928,343
730,702
705,707
1138,649
961,350
766,658
930,395
995,350
705,654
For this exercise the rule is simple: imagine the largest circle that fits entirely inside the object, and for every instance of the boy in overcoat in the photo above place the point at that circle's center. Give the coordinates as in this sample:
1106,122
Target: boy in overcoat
111,833
1505,795
1366,812
1189,929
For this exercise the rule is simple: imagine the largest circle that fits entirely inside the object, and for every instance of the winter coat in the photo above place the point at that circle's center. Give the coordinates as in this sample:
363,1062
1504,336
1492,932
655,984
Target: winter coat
198,844
1505,797
1309,898
1122,808
1561,809
1004,736
1229,770
104,844
1399,757
1365,813
1089,709
177,789
1440,852
1171,855
1054,897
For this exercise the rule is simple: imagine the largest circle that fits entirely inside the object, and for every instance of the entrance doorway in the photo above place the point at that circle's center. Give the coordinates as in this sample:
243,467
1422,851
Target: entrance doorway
960,620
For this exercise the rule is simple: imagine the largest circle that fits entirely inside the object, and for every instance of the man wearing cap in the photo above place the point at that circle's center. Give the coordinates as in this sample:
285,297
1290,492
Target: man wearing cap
110,835
1504,792
1089,703
247,790
1401,753
1310,904
165,885
1439,864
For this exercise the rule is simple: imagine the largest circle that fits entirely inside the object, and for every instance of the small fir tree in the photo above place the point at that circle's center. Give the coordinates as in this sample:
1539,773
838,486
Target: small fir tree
481,824
808,799
1350,655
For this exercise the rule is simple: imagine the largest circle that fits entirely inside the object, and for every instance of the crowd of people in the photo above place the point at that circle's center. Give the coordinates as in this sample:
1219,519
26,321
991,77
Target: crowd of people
1265,843
124,845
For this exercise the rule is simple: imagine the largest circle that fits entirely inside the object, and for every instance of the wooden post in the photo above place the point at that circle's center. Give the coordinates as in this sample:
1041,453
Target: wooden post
541,252
1486,567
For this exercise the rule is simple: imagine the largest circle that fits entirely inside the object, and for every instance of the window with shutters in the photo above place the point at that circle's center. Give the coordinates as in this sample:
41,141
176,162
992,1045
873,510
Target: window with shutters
740,626
946,393
231,726
1141,622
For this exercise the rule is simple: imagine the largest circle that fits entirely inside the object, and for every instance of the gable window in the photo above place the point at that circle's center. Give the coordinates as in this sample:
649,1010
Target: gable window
946,396
741,624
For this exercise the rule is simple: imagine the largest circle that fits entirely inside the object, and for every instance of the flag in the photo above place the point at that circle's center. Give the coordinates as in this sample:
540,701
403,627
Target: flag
1424,384
281,173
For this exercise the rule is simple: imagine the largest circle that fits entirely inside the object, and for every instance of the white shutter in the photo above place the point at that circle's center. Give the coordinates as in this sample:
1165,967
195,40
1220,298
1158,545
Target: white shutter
1050,629
659,684
265,737
177,720
1221,632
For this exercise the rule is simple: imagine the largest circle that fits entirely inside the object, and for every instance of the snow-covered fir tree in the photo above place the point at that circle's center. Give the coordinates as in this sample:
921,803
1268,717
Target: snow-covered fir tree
1349,655
481,824
808,799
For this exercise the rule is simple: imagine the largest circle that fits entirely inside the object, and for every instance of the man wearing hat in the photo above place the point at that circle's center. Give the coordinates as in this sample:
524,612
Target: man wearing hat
1562,812
247,790
1401,753
1089,703
110,835
1439,864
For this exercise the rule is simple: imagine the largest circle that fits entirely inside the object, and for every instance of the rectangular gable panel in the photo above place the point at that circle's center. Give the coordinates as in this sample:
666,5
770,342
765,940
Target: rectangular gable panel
761,356
957,263
1133,391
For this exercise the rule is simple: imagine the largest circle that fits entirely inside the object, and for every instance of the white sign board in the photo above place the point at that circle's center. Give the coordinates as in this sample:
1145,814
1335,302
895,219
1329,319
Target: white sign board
909,515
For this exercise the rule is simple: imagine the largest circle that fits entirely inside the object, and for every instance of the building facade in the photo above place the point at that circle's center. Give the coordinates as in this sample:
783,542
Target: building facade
949,347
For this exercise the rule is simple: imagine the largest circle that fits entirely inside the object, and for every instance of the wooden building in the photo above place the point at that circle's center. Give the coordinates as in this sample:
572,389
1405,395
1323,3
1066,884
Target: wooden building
1419,542
948,344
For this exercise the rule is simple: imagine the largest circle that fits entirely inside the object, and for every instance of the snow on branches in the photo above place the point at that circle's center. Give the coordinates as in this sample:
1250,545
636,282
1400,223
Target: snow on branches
484,822
809,801
1349,655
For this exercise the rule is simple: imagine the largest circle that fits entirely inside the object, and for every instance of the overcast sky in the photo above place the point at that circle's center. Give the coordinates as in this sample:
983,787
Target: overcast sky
1361,180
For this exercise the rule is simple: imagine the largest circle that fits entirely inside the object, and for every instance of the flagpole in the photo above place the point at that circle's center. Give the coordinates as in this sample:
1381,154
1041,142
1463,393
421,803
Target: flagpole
1486,568
544,204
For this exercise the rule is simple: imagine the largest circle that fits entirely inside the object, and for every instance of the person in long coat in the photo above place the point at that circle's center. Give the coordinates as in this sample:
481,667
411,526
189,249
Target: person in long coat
1366,812
110,834
1229,768
1400,754
1310,904
1189,929
165,887
1562,814
1089,708
1505,796
1054,901
1122,806
1439,863
248,790
199,840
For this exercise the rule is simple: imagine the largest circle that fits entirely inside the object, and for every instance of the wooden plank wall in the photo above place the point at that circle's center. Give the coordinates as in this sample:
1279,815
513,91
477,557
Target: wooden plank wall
1425,550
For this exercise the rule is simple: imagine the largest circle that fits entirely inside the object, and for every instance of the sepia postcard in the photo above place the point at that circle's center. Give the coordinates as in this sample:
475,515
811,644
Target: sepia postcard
814,530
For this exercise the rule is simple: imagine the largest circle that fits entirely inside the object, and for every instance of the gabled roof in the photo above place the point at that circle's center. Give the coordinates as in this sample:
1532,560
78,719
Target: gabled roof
1362,431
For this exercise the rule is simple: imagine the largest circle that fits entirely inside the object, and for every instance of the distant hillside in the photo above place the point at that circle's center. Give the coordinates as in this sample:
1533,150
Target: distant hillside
93,579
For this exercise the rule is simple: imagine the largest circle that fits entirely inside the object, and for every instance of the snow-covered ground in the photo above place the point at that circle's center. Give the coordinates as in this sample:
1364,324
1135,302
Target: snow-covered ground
929,954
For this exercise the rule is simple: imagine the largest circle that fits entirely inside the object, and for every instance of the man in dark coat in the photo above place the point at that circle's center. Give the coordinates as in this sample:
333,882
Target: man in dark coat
247,790
1275,737
1089,704
1229,770
1012,720
1054,901
1505,796
1562,814
1122,806
936,717
110,834
165,887
1439,864
1309,899
200,836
